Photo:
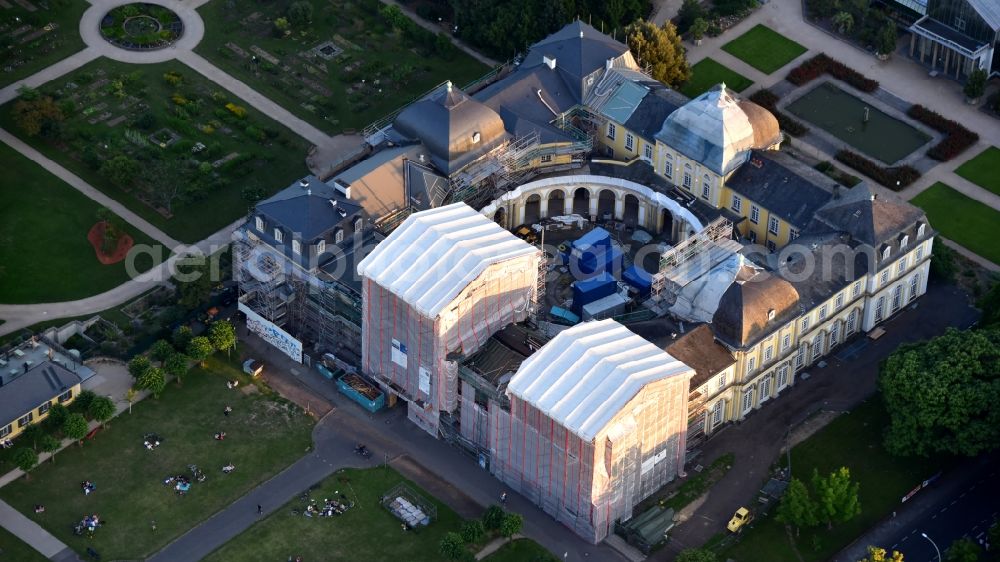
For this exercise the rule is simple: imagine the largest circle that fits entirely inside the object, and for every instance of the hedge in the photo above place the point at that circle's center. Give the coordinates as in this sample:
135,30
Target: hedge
822,64
957,138
768,100
888,177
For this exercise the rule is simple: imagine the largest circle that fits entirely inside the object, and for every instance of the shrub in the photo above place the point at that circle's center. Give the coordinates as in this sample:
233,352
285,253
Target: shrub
768,100
957,138
975,86
238,111
473,532
84,400
493,517
822,64
894,178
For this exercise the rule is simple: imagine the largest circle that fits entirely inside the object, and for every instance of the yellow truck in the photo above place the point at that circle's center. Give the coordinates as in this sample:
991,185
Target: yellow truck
742,517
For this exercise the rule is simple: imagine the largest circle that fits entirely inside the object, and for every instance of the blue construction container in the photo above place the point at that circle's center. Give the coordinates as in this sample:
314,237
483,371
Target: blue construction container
325,372
562,316
595,288
597,238
639,278
371,404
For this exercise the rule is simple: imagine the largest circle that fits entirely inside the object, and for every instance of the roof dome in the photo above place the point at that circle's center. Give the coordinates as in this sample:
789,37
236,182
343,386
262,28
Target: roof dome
752,307
718,129
455,128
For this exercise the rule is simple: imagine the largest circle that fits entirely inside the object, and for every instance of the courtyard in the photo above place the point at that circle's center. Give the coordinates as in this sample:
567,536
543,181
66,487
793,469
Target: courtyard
166,142
348,65
36,34
707,73
264,434
764,49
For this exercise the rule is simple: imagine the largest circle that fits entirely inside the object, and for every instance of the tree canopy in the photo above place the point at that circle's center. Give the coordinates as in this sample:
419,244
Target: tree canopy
138,366
25,458
200,348
153,380
75,427
38,116
451,546
102,409
963,550
222,335
511,524
941,394
836,496
797,507
659,49
161,350
876,554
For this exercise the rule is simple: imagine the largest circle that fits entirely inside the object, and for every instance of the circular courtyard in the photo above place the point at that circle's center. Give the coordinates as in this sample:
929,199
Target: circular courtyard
141,26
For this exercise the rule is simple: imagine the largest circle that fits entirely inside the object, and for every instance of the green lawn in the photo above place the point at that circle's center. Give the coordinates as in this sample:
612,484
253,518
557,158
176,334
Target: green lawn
376,71
16,550
521,550
44,252
367,531
983,170
961,219
764,49
33,40
853,440
264,435
211,155
707,73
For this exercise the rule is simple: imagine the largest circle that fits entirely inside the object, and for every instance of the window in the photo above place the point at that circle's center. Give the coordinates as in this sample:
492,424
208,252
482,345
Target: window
800,358
884,278
747,400
259,224
476,137
782,376
805,324
721,382
277,235
752,236
611,130
754,213
902,243
897,298
786,342
768,353
765,388
44,407
793,234
920,230
751,364
359,225
66,396
706,187
296,247
771,246
5,430
856,289
772,225
834,334
668,165
885,253
817,349
629,142
687,180
914,284
25,419
920,252
900,266
546,158
822,313
852,321
717,411
737,203
959,23
839,302
320,247
879,309
338,237
647,151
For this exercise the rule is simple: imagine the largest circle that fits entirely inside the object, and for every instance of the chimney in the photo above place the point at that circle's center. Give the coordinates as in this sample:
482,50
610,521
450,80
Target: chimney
422,158
549,61
873,196
608,63
347,192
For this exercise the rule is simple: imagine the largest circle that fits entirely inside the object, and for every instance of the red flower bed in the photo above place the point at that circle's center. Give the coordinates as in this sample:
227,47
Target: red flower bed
957,138
888,177
96,238
822,64
768,99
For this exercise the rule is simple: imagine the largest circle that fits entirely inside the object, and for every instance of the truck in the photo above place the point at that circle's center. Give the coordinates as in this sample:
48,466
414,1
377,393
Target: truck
741,518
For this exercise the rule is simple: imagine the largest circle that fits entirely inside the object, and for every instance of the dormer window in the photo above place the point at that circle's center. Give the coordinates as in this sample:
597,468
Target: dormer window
320,247
903,242
885,253
476,137
259,223
770,314
296,247
277,235
338,237
920,230
359,225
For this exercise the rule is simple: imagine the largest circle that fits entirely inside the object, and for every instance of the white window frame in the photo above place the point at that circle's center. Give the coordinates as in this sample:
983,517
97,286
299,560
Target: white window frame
834,334
773,224
44,407
817,348
768,354
754,214
914,287
856,290
320,247
920,252
706,189
647,152
278,236
793,234
901,266
687,180
800,358
838,303
612,131
765,388
5,430
771,246
629,142
296,247
747,400
786,342
852,321
751,364
920,230
822,313
66,396
718,412
880,309
897,298
359,225
338,236
883,279
886,252
737,205
805,324
904,241
720,382
545,159
782,377
259,223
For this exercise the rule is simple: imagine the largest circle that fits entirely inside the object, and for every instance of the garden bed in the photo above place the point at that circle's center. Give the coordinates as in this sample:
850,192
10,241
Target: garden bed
37,34
141,27
957,138
97,236
894,177
822,64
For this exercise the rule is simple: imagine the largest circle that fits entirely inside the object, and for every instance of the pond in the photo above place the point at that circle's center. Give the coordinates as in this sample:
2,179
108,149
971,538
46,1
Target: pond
839,113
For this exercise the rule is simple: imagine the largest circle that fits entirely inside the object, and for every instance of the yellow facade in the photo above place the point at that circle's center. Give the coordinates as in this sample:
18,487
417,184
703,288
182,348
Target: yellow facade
625,145
38,413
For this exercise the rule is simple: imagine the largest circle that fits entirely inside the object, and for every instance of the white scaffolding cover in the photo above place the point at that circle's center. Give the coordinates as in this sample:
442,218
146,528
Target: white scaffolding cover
587,373
429,259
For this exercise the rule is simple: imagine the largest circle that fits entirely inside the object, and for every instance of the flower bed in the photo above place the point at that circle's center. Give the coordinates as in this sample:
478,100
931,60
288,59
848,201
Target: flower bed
140,26
957,138
822,64
768,100
895,178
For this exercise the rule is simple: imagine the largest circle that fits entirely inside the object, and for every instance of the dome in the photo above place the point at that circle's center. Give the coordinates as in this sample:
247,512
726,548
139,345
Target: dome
718,129
753,307
455,128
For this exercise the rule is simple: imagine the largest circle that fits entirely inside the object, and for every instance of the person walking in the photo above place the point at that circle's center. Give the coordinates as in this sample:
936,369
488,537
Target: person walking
503,498
260,510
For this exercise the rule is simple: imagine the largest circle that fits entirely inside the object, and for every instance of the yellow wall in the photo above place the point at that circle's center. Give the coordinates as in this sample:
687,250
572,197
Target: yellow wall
37,415
618,144
760,229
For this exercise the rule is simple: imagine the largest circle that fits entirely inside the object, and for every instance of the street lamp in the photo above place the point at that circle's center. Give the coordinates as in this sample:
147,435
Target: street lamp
932,544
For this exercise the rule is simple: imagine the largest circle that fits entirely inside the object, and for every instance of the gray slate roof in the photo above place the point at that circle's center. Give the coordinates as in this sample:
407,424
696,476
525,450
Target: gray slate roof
871,219
839,261
654,108
782,185
307,211
42,382
579,50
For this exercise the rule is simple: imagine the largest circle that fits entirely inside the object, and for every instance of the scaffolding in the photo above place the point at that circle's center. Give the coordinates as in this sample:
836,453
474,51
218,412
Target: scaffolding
692,257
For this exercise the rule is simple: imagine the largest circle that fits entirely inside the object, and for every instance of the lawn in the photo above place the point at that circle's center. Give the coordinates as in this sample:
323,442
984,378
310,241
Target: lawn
33,40
367,531
167,143
344,70
44,252
521,550
961,219
14,549
707,73
853,440
764,49
264,435
983,170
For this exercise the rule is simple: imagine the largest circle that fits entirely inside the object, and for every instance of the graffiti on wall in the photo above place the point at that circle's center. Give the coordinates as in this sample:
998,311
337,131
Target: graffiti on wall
272,334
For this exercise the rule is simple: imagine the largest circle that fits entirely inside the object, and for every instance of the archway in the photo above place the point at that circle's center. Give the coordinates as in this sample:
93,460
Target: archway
667,219
556,205
630,214
581,202
606,205
500,217
532,208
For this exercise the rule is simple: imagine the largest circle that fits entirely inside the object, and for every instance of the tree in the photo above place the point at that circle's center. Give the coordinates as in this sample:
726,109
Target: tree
797,507
963,550
25,458
837,496
83,400
942,262
102,409
40,116
222,335
887,38
989,303
57,415
49,444
975,86
822,8
31,435
161,350
182,337
876,554
843,21
300,13
511,525
121,170
194,284
176,365
698,29
941,394
493,517
691,10
451,546
130,396
659,49
75,427
200,349
138,366
154,381
696,555
161,185
473,531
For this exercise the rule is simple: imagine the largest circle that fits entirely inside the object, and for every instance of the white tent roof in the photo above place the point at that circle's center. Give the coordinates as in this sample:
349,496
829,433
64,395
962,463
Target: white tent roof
430,258
586,374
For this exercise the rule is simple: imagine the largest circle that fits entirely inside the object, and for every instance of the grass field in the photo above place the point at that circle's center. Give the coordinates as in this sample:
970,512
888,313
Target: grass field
264,435
983,170
707,73
521,550
16,550
44,252
764,49
377,69
33,40
853,440
196,149
961,219
367,531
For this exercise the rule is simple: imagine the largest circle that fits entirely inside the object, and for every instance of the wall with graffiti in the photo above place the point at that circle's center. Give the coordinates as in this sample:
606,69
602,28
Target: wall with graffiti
272,334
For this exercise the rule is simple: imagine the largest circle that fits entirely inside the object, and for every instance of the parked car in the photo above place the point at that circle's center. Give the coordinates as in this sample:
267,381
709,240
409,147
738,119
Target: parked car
253,367
741,518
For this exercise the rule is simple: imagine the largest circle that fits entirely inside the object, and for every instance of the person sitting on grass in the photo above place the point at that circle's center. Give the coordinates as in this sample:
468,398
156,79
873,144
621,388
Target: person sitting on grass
220,436
229,468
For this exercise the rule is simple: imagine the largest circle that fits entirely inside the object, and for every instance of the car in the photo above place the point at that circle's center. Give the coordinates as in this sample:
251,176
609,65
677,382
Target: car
742,517
253,367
